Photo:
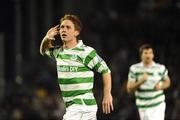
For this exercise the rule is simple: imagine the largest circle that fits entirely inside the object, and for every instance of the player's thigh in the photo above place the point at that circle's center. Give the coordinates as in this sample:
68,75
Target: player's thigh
72,115
89,115
77,115
159,113
142,114
154,113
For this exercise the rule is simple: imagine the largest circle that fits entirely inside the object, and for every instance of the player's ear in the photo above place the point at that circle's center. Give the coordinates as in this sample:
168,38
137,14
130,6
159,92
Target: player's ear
76,33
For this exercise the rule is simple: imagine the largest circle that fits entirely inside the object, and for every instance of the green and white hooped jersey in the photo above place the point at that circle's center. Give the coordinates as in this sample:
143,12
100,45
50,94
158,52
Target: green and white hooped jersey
75,75
146,95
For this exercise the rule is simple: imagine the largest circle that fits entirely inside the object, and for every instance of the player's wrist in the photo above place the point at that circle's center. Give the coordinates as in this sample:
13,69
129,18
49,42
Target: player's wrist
106,92
141,80
49,37
160,85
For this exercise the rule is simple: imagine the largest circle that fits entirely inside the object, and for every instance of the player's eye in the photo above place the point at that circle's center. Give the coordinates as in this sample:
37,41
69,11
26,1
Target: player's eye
68,27
62,26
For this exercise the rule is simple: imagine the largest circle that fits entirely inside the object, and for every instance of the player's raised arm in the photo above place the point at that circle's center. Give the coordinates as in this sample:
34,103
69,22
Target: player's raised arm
46,42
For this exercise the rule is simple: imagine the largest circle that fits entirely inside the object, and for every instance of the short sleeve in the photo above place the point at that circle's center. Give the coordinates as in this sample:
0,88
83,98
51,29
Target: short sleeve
131,75
95,62
52,53
164,73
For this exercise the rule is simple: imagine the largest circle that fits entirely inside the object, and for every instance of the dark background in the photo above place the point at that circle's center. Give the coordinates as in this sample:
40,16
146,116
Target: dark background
115,28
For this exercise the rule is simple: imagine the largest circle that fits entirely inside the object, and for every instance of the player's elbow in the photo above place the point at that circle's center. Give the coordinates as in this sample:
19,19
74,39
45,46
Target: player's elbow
168,82
129,88
41,52
42,49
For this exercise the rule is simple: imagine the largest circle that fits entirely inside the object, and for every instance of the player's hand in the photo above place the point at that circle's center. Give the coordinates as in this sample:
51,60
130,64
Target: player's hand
53,32
158,86
107,104
143,78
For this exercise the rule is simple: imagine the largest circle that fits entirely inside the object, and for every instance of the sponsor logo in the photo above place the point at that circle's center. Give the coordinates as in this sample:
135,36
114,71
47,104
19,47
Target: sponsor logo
67,69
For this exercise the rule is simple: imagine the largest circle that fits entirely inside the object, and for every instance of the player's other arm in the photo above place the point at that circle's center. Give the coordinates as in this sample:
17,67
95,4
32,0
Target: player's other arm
133,85
107,103
164,84
94,61
46,42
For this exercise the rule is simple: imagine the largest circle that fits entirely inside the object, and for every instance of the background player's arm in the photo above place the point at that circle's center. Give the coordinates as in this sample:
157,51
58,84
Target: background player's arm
164,84
133,85
107,103
46,42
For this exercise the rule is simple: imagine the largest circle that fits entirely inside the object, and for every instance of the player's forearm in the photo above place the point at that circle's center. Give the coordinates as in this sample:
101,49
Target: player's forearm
165,84
132,86
107,83
45,44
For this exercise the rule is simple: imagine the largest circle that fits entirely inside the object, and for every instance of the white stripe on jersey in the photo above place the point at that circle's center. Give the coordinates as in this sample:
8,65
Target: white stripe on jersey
73,87
69,62
148,94
75,74
84,96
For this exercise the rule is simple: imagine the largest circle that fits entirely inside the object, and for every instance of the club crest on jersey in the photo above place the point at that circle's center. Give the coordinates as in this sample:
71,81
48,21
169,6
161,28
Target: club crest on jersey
74,57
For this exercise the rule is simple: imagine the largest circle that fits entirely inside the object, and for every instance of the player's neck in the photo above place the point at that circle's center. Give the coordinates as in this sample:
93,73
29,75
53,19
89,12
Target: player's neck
70,44
147,64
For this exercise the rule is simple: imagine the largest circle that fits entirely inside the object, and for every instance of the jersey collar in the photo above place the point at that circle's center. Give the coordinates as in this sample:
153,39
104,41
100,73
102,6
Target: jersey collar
80,43
153,64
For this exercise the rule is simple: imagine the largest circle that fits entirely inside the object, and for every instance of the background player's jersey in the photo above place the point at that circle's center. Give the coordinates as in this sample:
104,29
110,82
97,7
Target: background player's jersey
75,75
146,95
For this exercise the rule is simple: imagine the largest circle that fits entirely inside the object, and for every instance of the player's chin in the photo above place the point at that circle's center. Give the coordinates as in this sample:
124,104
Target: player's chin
64,39
148,60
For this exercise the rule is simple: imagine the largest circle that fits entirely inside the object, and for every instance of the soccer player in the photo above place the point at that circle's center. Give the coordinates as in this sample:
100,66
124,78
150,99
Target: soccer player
75,65
148,79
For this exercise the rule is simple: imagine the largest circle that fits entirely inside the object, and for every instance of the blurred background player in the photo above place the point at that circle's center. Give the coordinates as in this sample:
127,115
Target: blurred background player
148,79
75,62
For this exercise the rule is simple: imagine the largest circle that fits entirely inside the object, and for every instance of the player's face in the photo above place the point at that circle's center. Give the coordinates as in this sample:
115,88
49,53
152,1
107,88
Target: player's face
67,31
147,56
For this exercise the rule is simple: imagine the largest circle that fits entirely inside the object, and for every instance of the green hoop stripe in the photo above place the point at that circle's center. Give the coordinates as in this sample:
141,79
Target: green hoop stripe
148,106
146,90
75,92
149,98
90,57
75,80
80,101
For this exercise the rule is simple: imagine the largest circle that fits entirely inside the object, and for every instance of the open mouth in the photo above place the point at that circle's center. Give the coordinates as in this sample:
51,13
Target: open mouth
63,35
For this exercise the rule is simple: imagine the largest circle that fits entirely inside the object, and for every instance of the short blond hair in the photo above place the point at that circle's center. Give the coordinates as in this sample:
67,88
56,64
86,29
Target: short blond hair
74,19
